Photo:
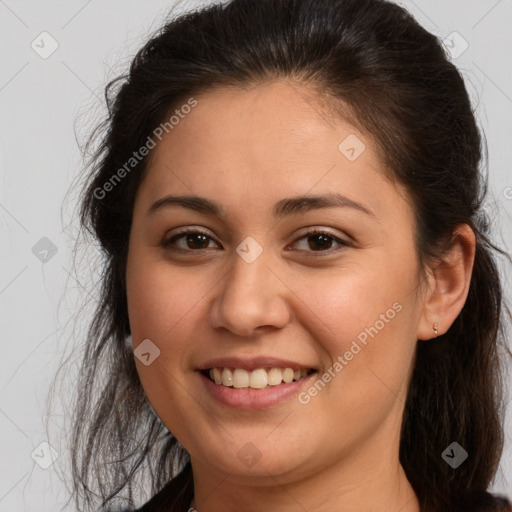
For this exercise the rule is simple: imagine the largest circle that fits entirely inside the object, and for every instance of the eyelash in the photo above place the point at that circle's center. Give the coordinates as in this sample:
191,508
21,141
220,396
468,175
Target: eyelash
166,243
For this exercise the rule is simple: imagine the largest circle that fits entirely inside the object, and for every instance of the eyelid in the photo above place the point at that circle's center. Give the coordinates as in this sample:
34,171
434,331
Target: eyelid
185,231
303,234
313,230
316,230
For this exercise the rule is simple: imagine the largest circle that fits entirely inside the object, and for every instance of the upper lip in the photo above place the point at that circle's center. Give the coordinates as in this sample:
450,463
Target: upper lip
253,363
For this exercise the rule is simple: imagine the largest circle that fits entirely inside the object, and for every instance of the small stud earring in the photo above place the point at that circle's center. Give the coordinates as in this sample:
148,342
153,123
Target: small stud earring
436,329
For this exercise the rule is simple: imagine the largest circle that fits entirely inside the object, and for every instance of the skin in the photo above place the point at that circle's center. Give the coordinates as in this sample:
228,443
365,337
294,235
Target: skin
249,149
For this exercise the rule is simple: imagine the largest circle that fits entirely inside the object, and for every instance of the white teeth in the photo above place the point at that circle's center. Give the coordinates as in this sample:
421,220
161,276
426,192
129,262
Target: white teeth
240,378
227,377
217,376
260,378
288,375
274,376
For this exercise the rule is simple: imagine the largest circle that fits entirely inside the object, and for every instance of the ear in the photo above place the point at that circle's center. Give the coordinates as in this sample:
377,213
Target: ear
448,284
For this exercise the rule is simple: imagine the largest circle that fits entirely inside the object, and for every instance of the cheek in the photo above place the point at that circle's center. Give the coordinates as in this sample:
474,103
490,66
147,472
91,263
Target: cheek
161,303
158,302
166,304
368,314
160,297
348,301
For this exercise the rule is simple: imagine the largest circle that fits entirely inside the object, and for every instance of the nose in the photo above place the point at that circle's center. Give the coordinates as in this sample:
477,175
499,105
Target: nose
251,297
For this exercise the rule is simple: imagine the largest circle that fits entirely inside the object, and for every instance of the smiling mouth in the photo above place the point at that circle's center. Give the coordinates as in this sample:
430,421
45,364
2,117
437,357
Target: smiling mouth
261,378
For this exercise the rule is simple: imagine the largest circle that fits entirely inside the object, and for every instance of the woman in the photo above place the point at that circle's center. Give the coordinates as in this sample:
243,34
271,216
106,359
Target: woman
301,308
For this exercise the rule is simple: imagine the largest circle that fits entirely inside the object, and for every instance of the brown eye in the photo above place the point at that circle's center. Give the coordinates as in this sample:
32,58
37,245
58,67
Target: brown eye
321,241
193,240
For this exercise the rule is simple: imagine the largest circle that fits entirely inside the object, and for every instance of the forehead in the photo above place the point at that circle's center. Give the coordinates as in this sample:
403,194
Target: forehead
258,143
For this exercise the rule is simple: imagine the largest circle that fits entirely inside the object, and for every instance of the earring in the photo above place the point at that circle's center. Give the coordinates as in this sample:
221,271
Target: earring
436,329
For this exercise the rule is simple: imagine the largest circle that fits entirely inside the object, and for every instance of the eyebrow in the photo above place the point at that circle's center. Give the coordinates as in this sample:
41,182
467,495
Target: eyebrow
282,208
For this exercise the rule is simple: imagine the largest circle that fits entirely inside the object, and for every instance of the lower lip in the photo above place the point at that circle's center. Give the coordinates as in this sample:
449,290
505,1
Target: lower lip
247,398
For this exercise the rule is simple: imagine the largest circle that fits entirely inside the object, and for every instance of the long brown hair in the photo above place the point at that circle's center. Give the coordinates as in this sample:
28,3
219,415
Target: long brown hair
405,92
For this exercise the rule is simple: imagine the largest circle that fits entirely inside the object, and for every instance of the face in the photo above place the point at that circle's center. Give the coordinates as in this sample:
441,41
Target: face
251,280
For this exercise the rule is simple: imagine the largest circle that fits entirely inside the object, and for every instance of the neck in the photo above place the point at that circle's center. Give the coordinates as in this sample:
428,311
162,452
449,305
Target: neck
369,486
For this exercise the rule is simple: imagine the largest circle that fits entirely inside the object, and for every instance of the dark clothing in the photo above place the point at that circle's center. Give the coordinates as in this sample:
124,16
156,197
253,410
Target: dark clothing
175,496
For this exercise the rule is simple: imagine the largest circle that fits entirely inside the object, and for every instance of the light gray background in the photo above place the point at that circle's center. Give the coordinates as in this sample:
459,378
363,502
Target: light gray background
42,101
